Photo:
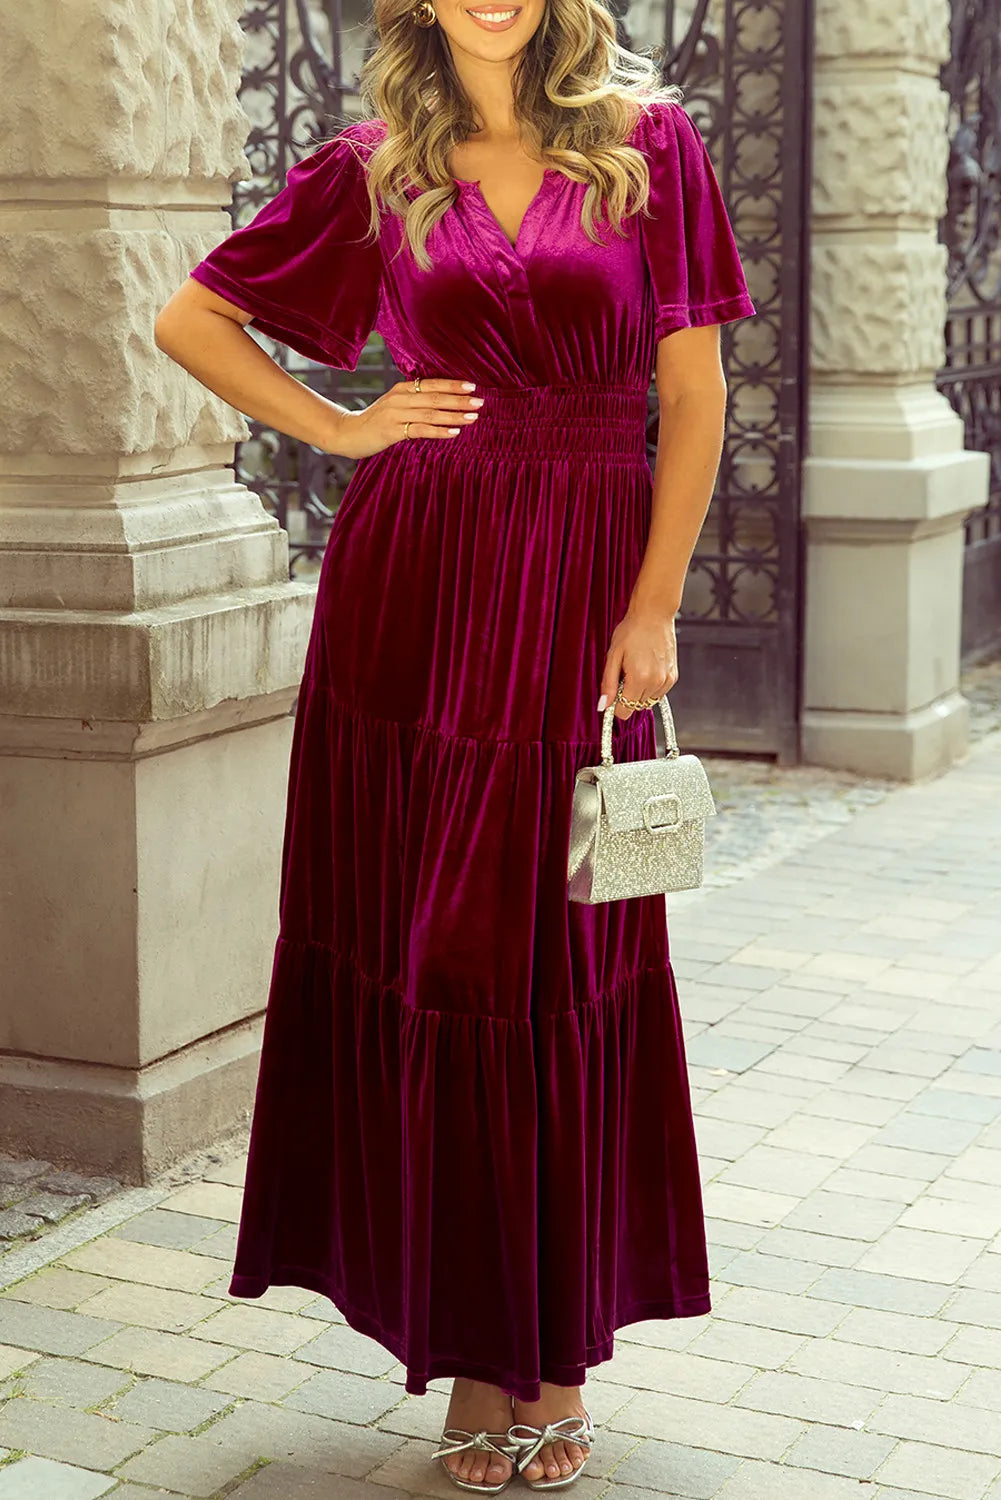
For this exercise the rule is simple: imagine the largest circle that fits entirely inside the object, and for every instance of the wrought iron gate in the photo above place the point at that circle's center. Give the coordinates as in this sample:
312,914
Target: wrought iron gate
745,66
971,231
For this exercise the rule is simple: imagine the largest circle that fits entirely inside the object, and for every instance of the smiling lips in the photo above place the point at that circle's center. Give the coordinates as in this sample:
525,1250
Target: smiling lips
496,17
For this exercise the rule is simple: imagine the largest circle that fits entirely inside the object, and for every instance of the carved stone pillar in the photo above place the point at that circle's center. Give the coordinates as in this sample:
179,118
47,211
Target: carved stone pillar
151,643
887,483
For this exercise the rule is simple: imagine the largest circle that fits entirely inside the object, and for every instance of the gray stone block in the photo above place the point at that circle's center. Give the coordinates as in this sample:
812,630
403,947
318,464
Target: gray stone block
75,1183
168,1406
143,1492
747,1344
747,976
878,1185
72,1382
956,1105
710,1050
48,1330
717,1428
168,1230
287,1482
14,1223
750,1105
981,1060
772,1272
915,1131
775,1481
15,1173
903,1333
781,1311
807,1397
323,1309
892,1293
884,1369
350,1398
41,1479
852,1108
816,1249
195,1466
672,1469
52,1206
775,1169
342,1348
982,1308
851,1217
68,1436
256,1430
221,1245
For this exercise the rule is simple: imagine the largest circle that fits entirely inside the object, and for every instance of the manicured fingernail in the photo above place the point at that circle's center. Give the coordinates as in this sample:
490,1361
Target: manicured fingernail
469,385
602,701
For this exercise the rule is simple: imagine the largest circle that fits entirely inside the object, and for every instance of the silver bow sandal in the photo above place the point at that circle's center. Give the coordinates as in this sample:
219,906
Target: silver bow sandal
530,1440
457,1440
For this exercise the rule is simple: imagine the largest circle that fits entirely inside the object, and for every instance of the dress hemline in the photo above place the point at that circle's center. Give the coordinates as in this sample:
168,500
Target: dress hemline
444,1366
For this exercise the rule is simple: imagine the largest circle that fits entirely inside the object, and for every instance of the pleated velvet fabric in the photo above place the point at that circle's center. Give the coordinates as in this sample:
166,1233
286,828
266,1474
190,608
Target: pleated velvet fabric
473,1128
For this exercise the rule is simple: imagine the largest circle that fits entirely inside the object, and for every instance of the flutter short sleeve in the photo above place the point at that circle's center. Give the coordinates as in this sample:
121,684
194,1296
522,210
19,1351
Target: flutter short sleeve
305,266
695,271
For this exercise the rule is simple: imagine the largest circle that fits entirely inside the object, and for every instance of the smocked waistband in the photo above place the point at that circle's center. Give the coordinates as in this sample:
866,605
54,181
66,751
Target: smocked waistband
549,420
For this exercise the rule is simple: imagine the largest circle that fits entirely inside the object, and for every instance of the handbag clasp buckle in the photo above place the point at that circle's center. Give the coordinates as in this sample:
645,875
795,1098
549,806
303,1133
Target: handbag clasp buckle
651,802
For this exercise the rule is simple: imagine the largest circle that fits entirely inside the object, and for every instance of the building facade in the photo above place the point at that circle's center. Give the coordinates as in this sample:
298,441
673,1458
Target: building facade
152,630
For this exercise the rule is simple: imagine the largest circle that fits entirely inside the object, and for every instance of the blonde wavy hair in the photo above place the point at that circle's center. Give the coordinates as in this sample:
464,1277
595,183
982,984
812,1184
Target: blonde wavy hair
577,92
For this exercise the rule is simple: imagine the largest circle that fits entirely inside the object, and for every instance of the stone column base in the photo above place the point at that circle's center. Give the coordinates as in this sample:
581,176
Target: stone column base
139,906
884,568
129,1122
902,747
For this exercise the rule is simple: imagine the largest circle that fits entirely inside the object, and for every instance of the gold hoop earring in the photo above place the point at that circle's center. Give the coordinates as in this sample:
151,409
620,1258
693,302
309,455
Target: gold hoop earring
424,14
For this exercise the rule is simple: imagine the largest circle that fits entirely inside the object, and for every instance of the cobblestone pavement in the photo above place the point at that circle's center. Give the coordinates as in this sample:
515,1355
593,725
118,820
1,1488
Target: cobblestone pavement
843,1017
34,1194
768,810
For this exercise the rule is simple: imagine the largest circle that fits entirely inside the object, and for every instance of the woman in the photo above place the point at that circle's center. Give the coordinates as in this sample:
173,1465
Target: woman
472,1129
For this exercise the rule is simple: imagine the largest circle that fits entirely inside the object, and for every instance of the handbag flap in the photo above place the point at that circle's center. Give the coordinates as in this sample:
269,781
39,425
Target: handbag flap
627,786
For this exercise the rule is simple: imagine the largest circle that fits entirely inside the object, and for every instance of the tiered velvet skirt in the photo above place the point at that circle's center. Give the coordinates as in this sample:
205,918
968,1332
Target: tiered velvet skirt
473,1128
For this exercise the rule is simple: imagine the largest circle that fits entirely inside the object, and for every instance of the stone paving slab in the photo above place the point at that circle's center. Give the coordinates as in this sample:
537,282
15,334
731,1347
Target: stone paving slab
843,1016
32,1478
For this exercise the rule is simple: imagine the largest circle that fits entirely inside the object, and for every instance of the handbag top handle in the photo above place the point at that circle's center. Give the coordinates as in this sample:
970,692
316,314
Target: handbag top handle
663,725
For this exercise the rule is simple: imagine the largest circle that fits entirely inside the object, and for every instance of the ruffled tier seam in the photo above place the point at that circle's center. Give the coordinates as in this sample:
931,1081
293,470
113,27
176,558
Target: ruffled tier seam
434,731
444,1366
340,955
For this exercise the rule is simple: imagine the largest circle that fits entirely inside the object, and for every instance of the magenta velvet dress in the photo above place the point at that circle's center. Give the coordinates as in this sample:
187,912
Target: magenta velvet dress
473,1128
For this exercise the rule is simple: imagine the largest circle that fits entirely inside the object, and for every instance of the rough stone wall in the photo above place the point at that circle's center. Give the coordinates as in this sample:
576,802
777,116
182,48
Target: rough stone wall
120,137
880,150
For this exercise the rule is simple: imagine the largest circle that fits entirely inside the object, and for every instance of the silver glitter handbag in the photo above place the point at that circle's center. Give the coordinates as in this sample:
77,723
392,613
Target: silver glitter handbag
638,828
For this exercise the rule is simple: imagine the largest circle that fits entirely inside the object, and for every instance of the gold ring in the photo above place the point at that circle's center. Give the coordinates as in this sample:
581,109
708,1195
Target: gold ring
638,702
406,434
417,383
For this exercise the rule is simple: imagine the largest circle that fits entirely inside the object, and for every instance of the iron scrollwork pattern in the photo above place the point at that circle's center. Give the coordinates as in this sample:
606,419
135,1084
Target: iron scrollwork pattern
296,92
971,232
745,66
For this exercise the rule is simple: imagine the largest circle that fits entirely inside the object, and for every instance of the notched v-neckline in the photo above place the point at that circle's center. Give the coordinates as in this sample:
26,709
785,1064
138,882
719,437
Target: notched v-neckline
514,246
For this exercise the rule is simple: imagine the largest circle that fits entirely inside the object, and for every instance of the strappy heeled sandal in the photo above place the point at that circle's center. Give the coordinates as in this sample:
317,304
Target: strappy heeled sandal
458,1439
529,1440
